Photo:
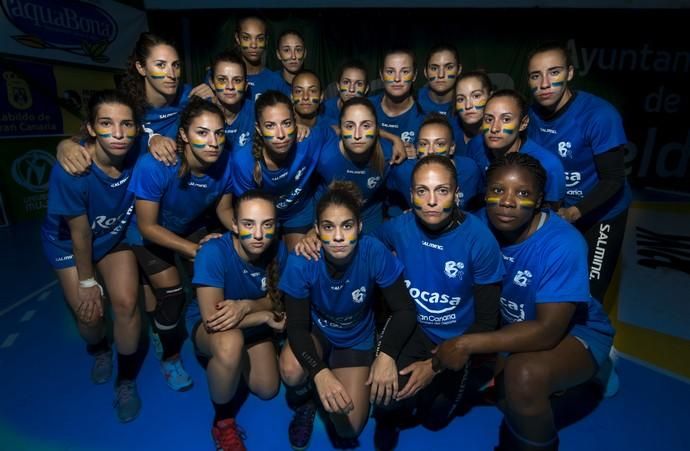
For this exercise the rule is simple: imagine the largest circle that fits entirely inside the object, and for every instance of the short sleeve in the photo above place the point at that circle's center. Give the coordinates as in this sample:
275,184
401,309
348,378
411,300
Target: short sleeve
604,129
242,173
385,232
565,277
487,262
294,281
469,179
209,269
555,181
149,179
68,194
385,266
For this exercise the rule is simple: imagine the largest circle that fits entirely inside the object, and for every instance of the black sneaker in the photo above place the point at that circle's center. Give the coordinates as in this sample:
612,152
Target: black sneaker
301,426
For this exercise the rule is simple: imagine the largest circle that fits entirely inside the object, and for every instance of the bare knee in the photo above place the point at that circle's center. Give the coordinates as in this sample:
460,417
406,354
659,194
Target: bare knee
526,386
124,306
226,348
266,389
291,370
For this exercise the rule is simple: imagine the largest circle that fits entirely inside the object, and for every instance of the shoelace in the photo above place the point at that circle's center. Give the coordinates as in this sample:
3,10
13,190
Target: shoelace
103,360
125,392
231,436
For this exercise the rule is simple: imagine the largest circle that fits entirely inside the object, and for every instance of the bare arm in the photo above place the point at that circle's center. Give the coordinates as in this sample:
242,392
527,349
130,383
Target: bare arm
147,219
90,306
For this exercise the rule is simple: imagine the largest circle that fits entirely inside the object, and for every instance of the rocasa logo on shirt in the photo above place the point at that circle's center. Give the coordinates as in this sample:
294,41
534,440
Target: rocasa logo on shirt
522,278
453,269
244,137
512,312
432,301
372,182
105,223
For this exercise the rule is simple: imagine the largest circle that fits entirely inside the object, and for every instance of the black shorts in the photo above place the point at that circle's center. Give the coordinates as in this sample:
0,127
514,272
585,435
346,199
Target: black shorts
252,336
153,258
336,357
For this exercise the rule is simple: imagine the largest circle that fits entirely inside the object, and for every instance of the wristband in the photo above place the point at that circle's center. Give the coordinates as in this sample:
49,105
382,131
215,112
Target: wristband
151,137
90,282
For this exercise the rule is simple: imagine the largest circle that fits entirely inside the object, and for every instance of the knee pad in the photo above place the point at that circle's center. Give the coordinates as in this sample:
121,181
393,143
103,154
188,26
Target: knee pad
169,305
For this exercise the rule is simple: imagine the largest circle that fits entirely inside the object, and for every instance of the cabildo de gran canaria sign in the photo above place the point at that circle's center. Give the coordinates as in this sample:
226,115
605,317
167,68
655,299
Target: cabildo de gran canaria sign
76,31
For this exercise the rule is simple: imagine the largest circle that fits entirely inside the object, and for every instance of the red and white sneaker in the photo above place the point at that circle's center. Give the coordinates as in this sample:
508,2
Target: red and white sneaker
228,436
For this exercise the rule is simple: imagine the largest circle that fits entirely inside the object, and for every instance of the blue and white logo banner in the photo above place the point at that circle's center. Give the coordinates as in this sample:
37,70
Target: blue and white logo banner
98,32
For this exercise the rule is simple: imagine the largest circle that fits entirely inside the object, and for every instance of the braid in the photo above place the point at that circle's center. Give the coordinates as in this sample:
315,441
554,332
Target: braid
258,154
272,278
520,160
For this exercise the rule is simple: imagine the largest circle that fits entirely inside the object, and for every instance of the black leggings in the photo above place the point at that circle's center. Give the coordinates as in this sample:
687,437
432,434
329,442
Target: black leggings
604,240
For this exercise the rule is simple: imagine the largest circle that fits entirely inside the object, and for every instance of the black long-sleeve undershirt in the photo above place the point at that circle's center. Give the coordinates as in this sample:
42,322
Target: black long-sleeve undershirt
610,166
402,321
486,308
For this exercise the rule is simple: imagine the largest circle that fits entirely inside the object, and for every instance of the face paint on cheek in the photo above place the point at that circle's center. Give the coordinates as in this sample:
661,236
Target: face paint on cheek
388,78
369,134
219,86
351,237
485,128
197,144
295,99
270,233
460,106
451,74
245,234
448,206
492,201
240,88
509,129
422,151
558,81
325,238
480,104
441,150
103,133
407,78
417,203
221,139
315,100
291,131
156,75
534,89
131,134
268,135
526,203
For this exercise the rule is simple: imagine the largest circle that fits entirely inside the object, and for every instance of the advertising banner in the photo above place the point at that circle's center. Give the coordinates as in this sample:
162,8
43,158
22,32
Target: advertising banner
99,33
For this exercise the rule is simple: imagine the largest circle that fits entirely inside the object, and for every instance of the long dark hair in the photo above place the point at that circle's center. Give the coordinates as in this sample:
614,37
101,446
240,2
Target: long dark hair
272,269
377,160
133,83
195,108
267,99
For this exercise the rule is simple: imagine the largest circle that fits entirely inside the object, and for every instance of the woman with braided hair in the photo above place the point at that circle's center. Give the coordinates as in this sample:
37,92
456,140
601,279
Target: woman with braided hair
171,202
236,279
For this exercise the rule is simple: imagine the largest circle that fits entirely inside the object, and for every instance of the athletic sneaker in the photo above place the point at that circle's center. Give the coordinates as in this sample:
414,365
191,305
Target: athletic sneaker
127,402
102,367
608,378
301,426
175,374
385,436
228,436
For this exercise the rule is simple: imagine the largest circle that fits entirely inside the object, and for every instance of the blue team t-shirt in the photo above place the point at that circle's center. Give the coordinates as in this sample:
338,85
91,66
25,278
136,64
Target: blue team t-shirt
266,80
182,200
430,106
218,265
333,165
241,131
331,110
441,271
164,120
104,200
549,266
406,125
294,184
587,127
343,308
554,191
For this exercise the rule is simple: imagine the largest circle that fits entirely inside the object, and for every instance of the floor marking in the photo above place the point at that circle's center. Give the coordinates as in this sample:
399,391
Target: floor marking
43,295
9,341
27,298
649,366
27,316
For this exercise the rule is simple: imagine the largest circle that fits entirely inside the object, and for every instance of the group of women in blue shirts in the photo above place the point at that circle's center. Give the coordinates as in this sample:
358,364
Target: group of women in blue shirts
369,283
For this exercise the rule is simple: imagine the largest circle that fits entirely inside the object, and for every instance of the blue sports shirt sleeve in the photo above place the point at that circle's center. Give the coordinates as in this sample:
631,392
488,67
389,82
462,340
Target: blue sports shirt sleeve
68,194
149,179
293,281
208,265
387,268
605,130
565,277
487,263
